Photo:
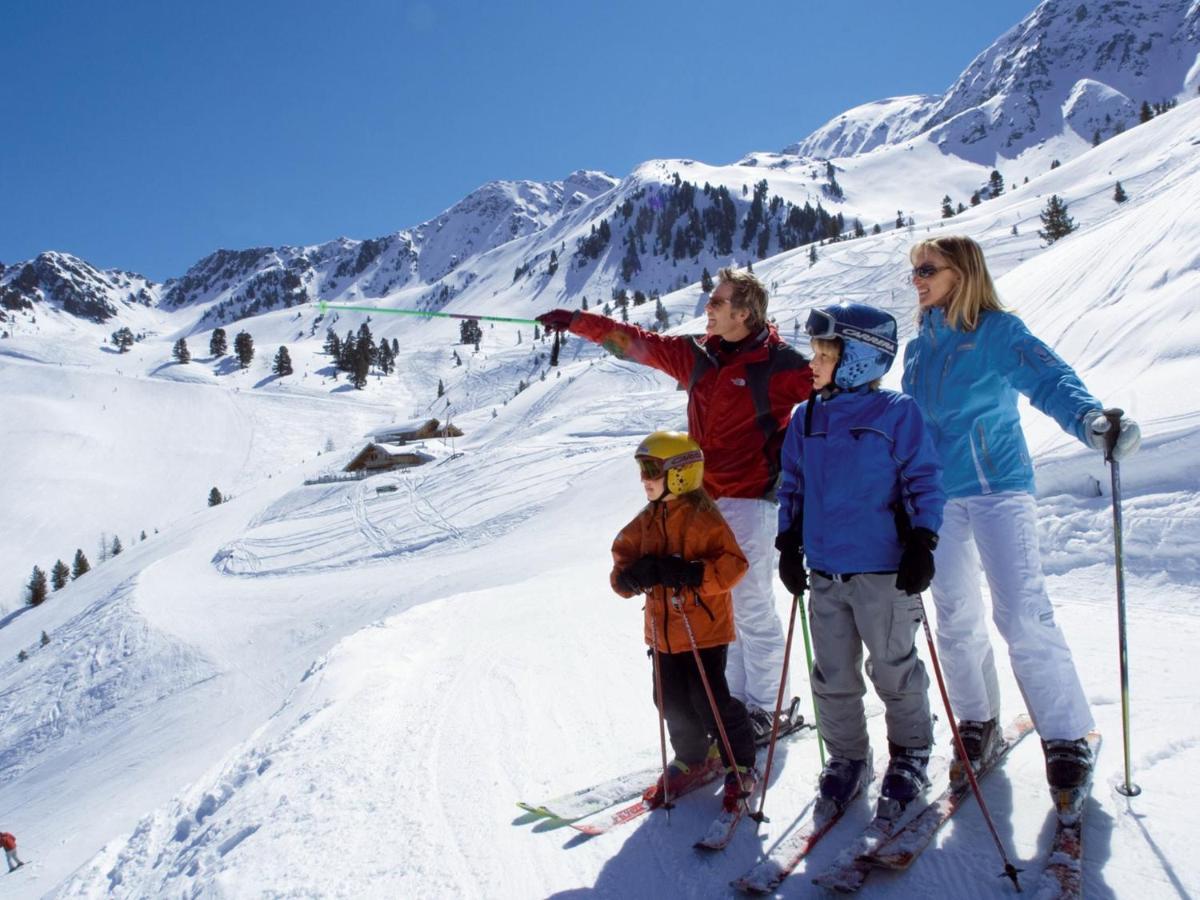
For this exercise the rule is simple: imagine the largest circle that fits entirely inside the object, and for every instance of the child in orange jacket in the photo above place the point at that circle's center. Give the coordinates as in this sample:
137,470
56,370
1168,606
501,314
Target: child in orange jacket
681,554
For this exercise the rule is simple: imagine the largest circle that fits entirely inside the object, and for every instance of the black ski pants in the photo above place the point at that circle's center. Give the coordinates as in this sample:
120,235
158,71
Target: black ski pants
689,715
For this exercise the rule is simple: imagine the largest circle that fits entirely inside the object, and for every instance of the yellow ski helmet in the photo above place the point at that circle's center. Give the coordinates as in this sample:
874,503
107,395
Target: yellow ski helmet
676,454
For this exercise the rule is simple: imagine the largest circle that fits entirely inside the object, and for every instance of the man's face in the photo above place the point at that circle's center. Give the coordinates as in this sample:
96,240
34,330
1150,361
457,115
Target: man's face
723,320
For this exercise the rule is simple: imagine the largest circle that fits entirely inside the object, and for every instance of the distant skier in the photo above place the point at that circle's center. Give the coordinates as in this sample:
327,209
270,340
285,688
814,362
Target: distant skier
9,843
679,550
742,382
964,369
857,461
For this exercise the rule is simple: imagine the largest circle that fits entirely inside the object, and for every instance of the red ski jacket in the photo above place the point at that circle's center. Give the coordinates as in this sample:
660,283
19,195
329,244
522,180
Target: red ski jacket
7,841
739,402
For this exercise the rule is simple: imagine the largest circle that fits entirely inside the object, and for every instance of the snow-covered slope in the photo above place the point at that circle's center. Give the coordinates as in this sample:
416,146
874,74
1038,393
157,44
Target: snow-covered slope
338,690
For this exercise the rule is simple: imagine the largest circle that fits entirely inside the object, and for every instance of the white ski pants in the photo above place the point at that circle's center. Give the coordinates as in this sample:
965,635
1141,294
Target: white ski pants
1000,530
756,658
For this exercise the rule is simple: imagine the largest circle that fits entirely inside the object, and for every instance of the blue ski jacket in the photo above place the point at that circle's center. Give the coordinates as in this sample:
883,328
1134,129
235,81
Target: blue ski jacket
862,452
966,383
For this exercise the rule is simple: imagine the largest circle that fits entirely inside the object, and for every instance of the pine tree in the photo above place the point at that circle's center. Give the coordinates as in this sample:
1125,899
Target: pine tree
1055,221
947,209
333,344
81,564
59,575
899,218
961,208
996,183
22,655
181,353
37,587
1054,164
441,388
386,360
45,639
217,344
361,369
283,363
243,347
1096,138
122,338
706,282
812,255
1119,194
116,546
975,201
215,498
1145,114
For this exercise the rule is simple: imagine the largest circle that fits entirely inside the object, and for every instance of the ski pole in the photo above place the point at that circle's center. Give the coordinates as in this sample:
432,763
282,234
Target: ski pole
787,655
677,602
428,314
809,659
1128,788
658,698
1010,871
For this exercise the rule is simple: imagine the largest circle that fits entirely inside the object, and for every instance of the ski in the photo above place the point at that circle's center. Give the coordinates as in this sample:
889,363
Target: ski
769,873
602,795
1062,878
596,797
848,871
601,824
906,844
720,832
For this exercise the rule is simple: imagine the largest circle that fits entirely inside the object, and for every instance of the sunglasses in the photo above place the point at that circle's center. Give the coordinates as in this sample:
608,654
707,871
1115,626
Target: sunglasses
650,467
926,270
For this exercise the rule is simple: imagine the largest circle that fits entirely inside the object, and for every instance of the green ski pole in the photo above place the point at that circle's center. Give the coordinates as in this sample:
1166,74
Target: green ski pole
391,311
808,658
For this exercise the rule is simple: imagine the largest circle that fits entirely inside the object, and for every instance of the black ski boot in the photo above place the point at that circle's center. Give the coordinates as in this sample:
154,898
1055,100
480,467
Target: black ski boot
904,780
1068,764
842,779
982,741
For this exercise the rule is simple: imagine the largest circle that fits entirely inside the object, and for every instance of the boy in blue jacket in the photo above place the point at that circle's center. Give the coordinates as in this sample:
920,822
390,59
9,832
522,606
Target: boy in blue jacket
858,467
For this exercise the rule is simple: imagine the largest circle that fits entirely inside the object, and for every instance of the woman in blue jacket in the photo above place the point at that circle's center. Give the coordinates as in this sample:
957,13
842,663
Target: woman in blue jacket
964,368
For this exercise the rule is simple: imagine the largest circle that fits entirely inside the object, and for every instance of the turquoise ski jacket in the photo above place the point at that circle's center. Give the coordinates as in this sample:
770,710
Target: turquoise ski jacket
966,383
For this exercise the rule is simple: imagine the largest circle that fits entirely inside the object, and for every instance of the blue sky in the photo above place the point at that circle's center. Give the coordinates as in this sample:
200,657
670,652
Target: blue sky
144,135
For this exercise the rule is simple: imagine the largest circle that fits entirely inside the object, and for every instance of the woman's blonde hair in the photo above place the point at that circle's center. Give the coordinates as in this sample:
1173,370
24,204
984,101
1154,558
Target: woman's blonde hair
974,291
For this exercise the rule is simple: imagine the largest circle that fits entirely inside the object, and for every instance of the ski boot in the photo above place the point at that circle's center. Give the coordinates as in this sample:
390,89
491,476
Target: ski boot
840,782
904,780
1069,767
680,776
740,783
982,741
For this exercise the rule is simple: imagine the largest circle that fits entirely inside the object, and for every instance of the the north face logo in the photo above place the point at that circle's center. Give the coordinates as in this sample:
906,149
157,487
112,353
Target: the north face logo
740,382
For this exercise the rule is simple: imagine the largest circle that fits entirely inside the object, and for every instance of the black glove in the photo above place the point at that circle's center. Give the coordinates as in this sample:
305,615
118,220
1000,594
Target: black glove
916,563
679,573
557,319
791,562
640,576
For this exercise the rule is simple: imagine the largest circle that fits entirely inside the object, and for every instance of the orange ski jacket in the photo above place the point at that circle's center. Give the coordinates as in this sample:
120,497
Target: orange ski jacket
677,528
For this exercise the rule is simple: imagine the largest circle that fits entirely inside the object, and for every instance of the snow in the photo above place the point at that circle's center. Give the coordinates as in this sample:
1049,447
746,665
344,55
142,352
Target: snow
333,690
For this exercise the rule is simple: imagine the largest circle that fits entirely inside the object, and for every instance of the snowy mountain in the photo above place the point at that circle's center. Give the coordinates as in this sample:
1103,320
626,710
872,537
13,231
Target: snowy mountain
1086,67
341,688
63,283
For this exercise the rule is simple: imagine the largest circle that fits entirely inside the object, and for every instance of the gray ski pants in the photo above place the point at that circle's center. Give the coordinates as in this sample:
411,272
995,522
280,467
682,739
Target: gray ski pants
867,610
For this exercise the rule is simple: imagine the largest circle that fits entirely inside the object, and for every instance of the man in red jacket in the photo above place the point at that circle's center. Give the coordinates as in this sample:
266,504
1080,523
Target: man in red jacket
9,843
742,382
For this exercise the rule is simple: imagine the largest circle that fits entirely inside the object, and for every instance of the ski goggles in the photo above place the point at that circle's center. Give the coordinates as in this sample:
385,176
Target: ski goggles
650,466
823,326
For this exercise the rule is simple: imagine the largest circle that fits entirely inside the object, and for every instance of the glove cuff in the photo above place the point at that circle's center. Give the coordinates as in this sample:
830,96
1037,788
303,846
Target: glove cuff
924,537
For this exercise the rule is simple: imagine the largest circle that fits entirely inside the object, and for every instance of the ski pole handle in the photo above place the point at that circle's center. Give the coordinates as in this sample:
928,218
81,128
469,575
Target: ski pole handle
1114,431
